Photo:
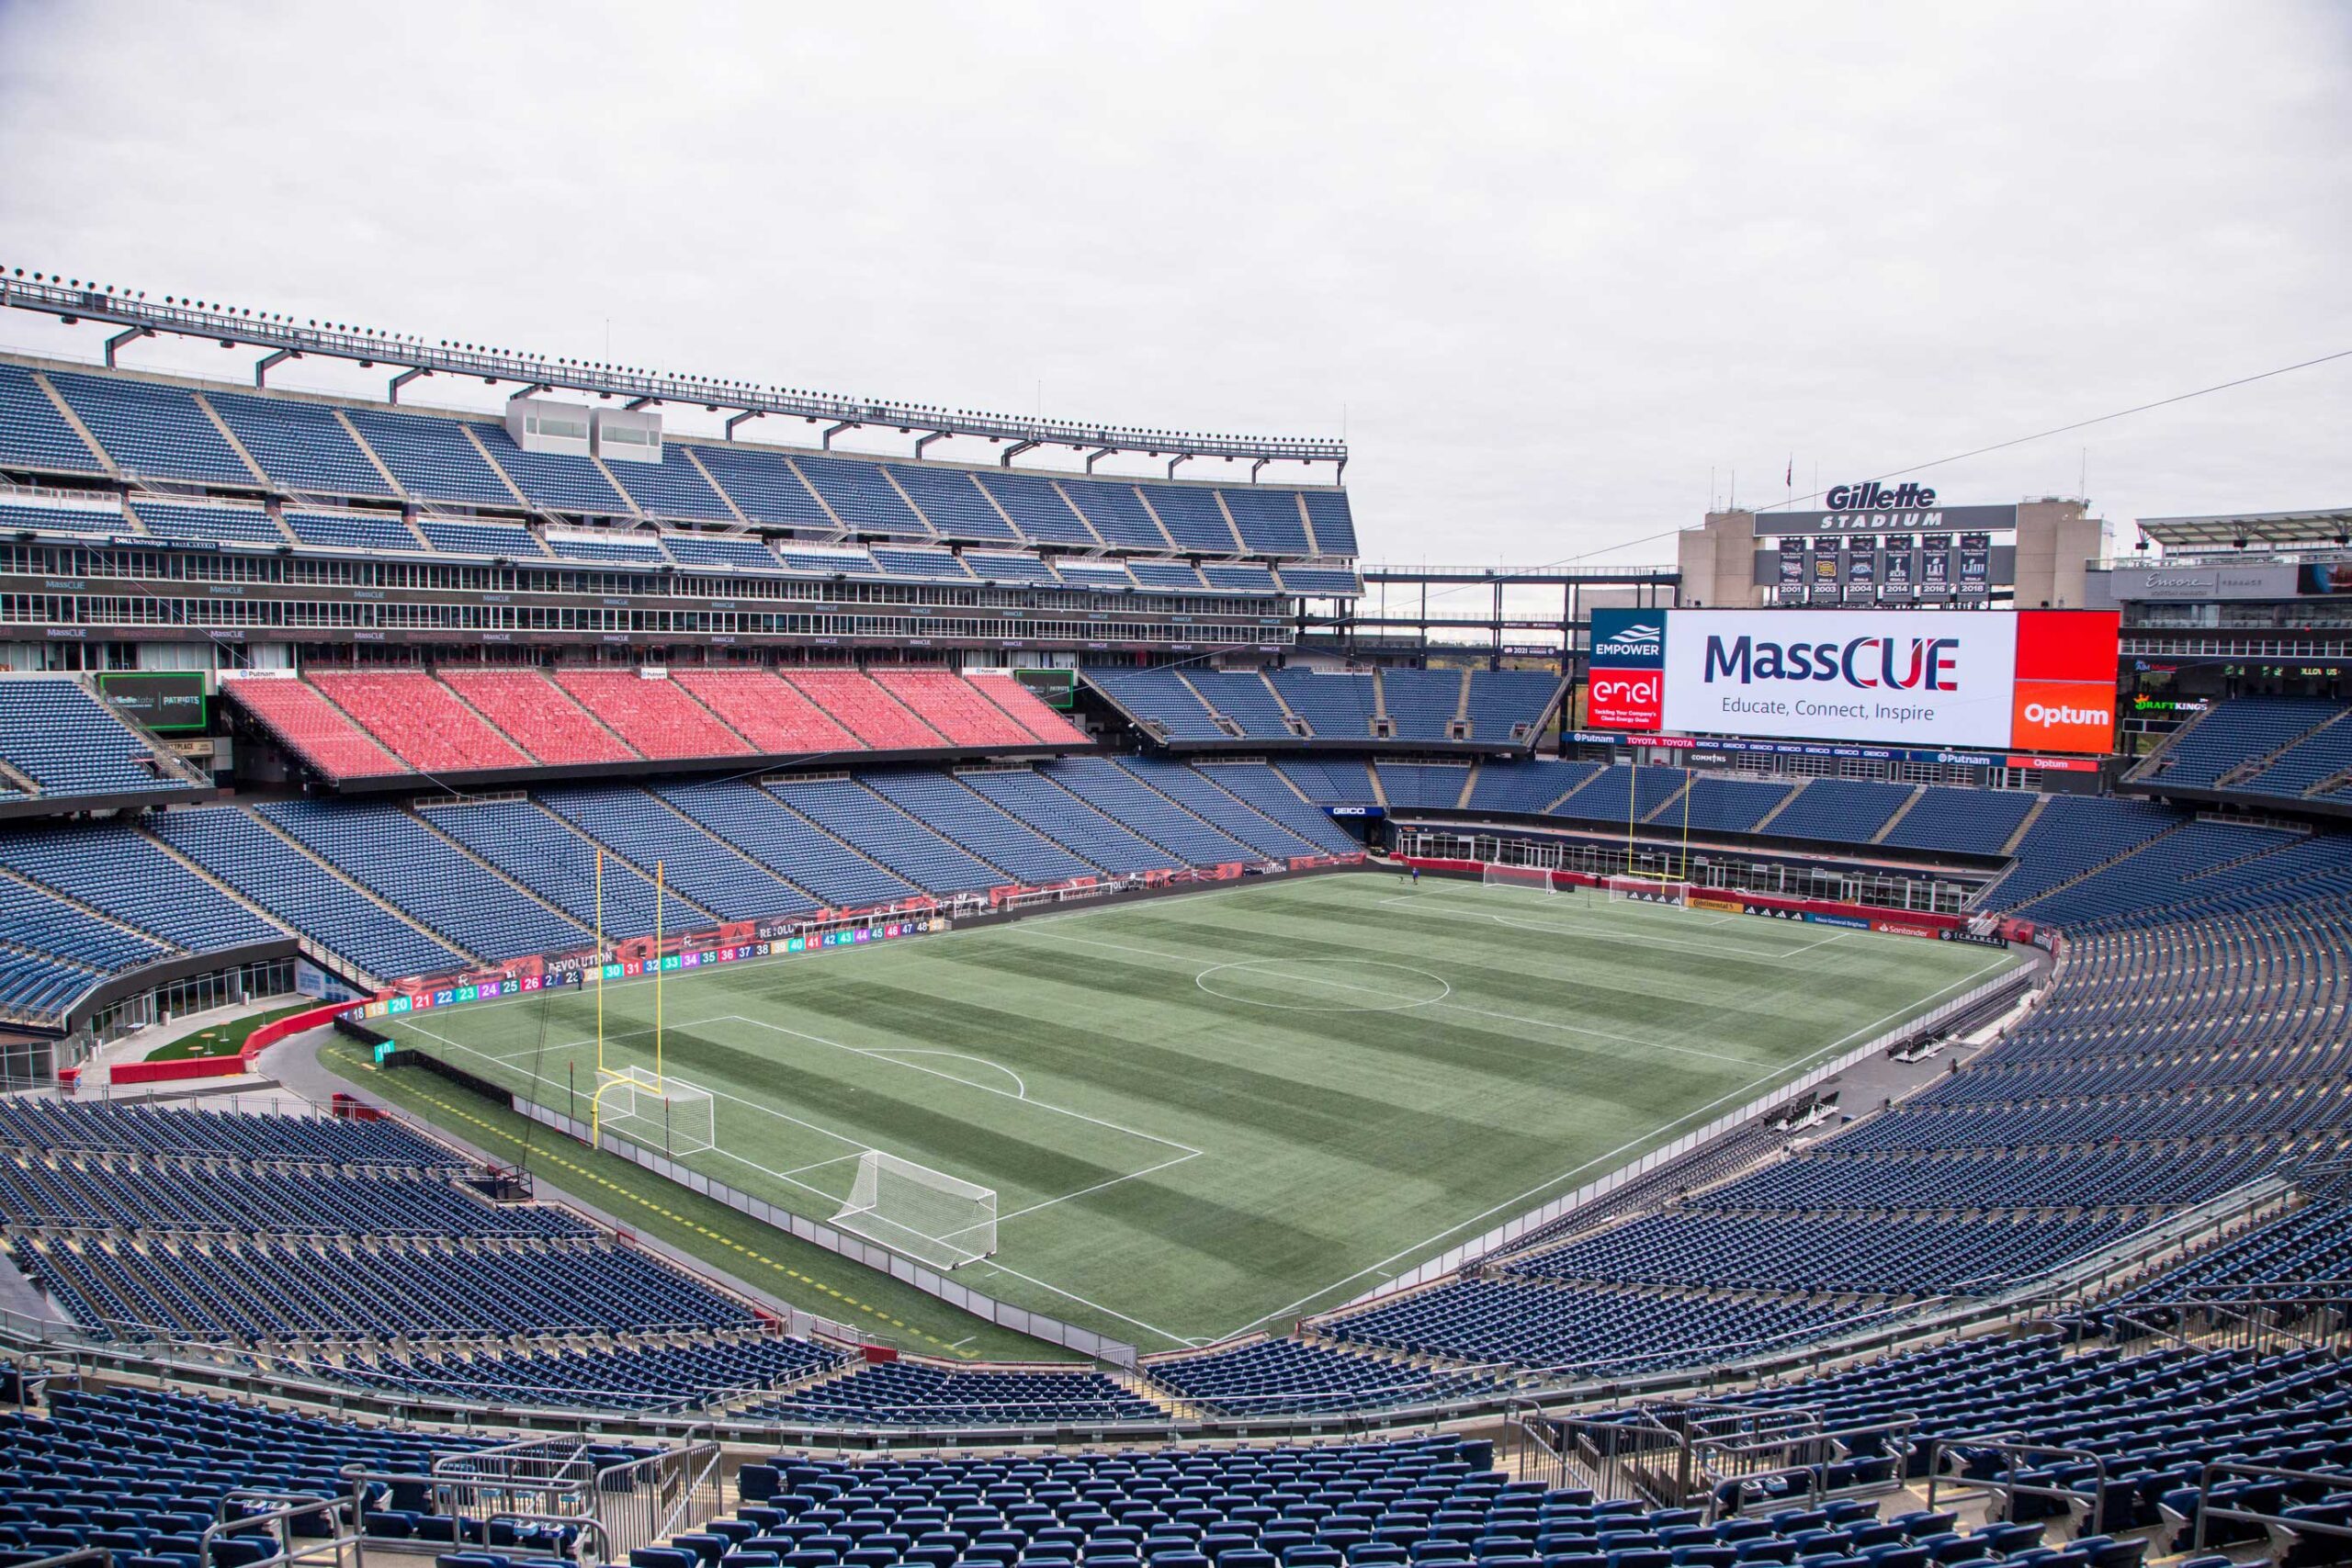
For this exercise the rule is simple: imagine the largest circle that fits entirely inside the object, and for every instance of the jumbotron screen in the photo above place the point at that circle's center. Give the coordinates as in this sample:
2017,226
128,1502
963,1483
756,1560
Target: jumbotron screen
2019,680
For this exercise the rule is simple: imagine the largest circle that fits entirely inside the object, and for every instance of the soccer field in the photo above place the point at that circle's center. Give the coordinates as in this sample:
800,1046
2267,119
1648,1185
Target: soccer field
1210,1112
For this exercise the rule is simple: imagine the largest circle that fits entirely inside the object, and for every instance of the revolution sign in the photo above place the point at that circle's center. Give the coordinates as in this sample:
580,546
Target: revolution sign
2027,681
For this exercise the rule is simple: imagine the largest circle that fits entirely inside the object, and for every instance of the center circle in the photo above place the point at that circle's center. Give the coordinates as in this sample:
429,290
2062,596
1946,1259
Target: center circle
1324,985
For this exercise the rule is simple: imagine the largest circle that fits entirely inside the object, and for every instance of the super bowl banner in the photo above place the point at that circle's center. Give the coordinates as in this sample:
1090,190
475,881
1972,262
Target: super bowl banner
2025,680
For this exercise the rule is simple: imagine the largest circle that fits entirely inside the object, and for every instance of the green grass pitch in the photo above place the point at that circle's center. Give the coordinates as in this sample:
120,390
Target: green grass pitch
1213,1112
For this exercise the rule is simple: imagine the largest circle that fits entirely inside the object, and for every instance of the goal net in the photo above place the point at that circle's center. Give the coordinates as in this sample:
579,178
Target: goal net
1533,877
924,1213
1648,890
666,1115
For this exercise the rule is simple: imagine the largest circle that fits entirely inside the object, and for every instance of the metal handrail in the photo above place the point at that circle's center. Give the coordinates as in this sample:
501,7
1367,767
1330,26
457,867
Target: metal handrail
2013,1447
101,1555
2240,1470
1843,1437
586,1524
279,1521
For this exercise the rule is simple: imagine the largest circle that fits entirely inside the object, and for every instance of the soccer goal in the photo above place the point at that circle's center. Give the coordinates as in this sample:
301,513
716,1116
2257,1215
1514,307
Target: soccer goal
1648,890
667,1114
925,1214
1535,878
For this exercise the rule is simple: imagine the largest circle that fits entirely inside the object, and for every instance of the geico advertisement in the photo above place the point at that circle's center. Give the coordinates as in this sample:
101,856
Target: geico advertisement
2037,681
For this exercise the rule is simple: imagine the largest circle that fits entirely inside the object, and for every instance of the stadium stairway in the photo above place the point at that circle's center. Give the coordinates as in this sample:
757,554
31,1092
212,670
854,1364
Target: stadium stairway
1666,810
236,443
1293,719
523,833
1764,823
327,868
1918,792
1217,717
314,726
103,460
1994,897
2253,766
229,891
424,816
2010,845
1199,795
857,703
847,847
1156,817
94,913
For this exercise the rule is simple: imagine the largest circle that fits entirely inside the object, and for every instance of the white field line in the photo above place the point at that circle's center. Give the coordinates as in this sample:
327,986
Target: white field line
1446,1003
883,1054
1113,1182
1065,916
1579,899
1020,1088
1518,1204
1592,925
856,1146
740,966
1172,1339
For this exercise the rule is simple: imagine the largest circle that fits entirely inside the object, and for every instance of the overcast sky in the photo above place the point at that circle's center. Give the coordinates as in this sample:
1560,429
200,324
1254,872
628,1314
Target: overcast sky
1549,268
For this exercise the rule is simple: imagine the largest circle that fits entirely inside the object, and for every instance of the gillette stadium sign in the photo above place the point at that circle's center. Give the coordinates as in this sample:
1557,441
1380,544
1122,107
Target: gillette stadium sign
1872,507
2029,681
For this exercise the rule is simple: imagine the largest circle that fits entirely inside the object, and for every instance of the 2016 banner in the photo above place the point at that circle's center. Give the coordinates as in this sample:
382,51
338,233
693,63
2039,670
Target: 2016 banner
2024,681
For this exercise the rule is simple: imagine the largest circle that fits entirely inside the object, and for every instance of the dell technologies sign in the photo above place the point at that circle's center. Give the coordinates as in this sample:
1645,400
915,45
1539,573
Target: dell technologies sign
2037,681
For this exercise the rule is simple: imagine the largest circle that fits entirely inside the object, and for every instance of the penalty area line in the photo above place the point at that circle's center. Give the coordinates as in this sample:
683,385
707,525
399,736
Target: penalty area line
1380,1266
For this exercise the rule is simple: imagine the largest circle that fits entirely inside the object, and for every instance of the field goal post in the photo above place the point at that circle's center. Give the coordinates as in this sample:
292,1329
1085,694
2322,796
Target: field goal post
663,1114
1648,890
1535,878
922,1214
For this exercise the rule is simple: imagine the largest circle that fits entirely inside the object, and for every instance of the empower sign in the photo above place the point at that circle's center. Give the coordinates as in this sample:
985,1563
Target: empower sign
2026,680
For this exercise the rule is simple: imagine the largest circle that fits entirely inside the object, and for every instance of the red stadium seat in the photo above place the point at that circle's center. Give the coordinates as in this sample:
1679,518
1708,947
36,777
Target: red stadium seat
949,703
767,711
872,713
657,717
1026,707
320,732
423,721
540,714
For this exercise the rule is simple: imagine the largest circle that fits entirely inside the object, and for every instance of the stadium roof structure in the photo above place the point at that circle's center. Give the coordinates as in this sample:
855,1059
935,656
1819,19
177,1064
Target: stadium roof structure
73,301
2327,526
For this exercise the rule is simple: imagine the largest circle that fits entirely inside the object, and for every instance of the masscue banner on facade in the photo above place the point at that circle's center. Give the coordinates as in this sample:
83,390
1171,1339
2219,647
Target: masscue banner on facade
2028,681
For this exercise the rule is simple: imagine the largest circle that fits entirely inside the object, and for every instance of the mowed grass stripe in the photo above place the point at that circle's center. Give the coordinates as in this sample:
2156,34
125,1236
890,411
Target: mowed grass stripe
1329,1142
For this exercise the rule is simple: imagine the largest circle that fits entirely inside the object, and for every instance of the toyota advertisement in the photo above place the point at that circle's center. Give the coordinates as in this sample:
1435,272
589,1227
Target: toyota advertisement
2023,681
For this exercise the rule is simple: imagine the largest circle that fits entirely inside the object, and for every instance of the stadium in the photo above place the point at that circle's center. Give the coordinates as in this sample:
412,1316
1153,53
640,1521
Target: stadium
608,966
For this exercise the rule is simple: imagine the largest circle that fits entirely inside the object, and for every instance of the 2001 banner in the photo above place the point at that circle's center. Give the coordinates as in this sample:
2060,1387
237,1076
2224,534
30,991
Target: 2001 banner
2026,680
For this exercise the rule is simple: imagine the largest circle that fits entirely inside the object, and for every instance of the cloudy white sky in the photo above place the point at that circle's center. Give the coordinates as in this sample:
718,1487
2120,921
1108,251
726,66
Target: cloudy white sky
1549,268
